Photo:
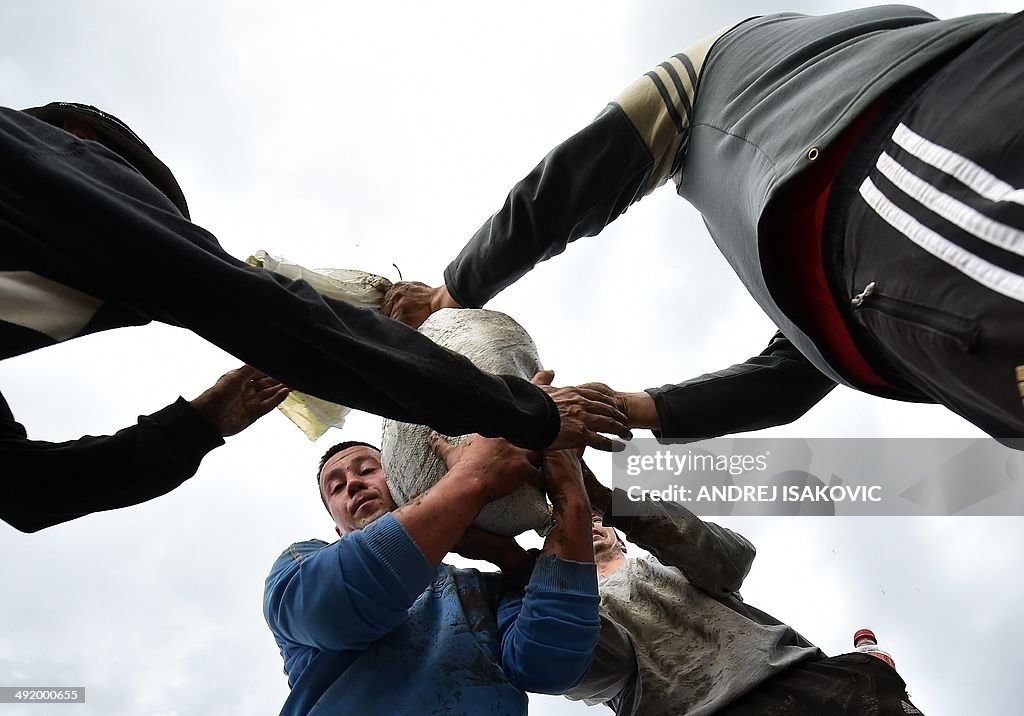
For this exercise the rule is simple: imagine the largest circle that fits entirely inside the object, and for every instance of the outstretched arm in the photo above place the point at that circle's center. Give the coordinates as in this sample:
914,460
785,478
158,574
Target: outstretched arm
632,147
142,261
48,483
773,388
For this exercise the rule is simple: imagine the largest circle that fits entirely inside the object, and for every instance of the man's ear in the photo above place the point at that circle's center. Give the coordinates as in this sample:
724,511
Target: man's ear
80,129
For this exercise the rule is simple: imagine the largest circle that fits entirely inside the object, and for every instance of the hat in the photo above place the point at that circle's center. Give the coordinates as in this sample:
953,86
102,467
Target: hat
118,137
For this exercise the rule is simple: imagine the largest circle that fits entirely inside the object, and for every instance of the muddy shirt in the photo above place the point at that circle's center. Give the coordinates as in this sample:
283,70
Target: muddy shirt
676,638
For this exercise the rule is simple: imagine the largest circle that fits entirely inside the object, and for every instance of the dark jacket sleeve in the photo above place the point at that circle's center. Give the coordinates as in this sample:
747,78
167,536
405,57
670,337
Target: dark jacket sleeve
128,247
577,189
773,388
43,484
632,147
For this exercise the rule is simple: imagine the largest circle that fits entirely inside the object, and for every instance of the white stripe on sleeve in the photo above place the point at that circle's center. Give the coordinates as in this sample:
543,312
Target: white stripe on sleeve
53,309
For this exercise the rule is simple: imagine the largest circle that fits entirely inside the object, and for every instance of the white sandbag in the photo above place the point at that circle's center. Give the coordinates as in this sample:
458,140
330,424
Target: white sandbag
497,344
359,288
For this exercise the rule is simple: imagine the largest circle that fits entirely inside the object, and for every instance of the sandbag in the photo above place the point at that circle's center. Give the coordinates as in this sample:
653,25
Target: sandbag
497,344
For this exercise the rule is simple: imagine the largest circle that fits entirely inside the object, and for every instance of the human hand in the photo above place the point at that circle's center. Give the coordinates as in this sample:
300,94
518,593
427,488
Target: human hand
563,476
497,465
570,536
584,414
412,302
638,407
238,399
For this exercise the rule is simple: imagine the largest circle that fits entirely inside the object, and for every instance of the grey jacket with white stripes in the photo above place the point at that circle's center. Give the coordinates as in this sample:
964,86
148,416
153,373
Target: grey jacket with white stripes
774,94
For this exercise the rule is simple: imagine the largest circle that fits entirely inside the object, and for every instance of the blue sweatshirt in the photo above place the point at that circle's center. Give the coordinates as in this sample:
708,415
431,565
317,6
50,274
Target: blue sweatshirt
366,625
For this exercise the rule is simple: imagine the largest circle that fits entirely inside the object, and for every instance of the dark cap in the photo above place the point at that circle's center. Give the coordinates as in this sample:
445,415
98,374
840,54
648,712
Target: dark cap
118,137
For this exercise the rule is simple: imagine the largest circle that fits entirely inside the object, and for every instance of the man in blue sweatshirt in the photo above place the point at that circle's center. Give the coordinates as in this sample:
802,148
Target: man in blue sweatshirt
375,623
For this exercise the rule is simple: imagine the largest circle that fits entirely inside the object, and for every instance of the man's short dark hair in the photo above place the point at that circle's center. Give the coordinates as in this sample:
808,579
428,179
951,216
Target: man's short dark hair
331,452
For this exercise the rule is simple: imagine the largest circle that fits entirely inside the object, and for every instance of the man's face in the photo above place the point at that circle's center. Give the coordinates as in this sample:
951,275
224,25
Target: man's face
352,484
605,538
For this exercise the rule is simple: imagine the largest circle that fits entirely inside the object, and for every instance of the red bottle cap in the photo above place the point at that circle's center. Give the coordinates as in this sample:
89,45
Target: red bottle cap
864,634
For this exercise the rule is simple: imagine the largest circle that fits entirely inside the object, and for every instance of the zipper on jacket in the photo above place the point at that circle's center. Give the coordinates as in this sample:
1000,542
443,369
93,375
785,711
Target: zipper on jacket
962,330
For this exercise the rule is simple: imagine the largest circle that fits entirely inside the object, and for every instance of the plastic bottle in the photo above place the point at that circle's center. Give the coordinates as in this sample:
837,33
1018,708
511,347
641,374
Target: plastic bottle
864,640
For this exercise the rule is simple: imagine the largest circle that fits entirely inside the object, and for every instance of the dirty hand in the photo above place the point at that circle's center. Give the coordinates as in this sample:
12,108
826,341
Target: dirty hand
497,465
638,407
412,302
238,399
584,414
563,476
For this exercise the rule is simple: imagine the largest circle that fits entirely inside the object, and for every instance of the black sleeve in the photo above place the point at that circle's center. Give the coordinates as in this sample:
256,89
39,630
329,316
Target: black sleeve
80,216
634,146
578,189
43,484
773,388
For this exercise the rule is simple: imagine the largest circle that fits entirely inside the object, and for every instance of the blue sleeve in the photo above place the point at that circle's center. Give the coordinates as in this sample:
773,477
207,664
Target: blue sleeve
348,594
548,635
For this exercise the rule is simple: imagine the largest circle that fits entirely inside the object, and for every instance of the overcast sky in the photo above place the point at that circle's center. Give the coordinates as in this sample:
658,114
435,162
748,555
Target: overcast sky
357,137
